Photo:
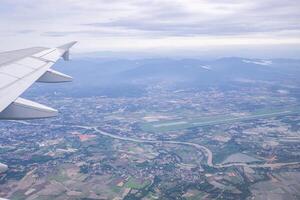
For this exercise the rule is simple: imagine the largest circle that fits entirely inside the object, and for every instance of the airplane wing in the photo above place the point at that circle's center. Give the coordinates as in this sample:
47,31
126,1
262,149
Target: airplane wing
19,70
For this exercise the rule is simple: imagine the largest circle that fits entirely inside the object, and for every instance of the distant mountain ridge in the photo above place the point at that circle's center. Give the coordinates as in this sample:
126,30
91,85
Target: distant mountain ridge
97,76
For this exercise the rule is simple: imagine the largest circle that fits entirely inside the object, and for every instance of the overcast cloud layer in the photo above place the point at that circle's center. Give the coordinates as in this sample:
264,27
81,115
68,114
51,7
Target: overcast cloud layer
154,25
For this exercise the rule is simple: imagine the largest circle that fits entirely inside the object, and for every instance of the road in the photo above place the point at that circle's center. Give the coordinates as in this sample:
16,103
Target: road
206,151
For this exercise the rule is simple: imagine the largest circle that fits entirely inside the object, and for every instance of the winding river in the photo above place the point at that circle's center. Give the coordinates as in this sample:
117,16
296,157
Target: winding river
206,151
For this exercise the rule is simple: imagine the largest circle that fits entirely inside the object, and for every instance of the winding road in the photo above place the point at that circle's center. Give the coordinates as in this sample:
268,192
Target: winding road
207,152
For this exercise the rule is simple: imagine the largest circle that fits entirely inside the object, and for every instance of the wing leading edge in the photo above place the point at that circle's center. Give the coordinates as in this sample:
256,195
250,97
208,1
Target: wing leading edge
20,72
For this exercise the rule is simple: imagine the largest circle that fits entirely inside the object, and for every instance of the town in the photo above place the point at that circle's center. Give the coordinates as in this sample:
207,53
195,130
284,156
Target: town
164,145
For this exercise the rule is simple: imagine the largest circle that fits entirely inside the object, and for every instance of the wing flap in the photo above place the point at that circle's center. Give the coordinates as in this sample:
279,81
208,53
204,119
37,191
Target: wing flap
52,76
25,109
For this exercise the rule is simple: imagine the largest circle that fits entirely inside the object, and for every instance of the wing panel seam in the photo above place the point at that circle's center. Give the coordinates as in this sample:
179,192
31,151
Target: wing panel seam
20,78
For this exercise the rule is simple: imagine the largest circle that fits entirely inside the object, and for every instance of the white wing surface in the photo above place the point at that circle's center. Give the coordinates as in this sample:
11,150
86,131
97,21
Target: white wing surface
19,70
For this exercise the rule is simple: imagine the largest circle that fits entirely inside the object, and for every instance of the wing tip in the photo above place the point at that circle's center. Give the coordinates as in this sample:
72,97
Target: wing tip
67,46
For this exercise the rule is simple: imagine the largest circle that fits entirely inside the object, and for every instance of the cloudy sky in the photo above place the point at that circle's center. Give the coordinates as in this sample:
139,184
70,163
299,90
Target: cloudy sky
257,28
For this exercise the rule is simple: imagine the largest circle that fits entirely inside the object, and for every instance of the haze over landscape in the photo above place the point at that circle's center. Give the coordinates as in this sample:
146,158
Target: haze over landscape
181,99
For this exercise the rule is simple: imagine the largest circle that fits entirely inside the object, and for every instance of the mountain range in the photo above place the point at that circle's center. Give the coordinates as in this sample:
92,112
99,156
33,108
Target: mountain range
118,77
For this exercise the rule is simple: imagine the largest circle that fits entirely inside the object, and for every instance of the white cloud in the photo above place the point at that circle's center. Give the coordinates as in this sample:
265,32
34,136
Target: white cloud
146,24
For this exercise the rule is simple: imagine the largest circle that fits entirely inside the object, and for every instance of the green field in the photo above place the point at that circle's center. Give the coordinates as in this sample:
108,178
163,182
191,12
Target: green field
180,124
136,184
